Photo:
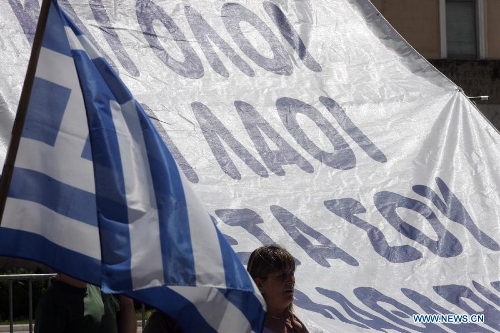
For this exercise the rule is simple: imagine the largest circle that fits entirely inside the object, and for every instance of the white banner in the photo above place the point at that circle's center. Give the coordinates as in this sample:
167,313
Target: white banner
314,125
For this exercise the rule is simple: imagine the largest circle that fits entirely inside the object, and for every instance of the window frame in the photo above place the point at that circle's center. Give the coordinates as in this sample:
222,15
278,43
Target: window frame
480,28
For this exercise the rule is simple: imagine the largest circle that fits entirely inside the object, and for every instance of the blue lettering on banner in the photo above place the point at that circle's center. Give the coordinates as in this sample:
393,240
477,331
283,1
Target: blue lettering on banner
147,12
27,16
401,314
255,124
372,297
232,241
352,130
232,16
109,33
248,220
341,158
291,36
430,307
358,314
204,33
496,285
319,253
455,295
213,130
453,209
388,204
304,302
488,294
348,208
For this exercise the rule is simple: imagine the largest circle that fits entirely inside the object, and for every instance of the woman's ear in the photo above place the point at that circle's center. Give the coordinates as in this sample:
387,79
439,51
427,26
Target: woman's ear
259,283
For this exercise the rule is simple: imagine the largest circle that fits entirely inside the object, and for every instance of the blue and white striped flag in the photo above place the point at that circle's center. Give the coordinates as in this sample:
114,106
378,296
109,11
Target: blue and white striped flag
96,194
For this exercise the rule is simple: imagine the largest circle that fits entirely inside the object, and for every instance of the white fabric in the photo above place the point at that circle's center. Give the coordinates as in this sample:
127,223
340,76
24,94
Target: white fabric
422,123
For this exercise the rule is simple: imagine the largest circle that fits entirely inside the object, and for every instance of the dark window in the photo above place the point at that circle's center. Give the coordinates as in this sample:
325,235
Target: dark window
461,35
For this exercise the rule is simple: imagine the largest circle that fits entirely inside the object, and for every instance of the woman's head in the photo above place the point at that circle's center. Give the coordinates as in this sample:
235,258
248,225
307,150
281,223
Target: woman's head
272,268
269,259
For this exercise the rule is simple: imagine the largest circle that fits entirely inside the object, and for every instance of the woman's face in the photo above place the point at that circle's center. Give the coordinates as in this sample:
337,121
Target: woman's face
278,289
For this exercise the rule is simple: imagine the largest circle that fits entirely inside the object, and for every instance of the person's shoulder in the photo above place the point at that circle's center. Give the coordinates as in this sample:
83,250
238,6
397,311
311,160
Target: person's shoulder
63,287
57,304
160,322
298,326
60,290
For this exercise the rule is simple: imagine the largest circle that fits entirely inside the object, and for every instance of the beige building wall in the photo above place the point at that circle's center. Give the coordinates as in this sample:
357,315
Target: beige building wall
417,21
493,29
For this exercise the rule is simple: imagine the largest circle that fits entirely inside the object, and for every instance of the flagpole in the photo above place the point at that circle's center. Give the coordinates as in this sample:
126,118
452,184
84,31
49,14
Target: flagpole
22,108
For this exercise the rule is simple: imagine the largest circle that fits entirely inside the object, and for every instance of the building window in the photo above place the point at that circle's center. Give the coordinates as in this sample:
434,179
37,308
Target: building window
462,29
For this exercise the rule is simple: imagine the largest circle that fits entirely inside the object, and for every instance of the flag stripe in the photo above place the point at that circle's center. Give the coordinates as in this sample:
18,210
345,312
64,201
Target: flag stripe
81,43
229,320
206,248
231,263
27,245
55,39
141,201
62,163
176,243
180,308
59,229
251,304
44,126
109,178
110,189
175,235
62,159
62,198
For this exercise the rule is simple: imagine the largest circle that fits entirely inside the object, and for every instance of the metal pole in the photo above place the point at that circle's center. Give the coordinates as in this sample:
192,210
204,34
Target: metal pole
11,308
30,287
143,308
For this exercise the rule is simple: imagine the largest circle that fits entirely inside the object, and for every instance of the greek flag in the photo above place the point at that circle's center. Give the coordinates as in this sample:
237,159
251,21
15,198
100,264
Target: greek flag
96,194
